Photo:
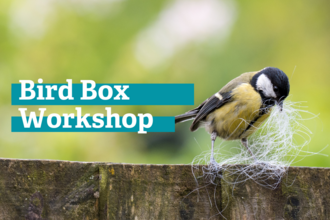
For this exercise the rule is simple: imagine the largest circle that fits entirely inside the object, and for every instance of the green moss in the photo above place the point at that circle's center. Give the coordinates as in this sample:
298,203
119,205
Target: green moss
36,202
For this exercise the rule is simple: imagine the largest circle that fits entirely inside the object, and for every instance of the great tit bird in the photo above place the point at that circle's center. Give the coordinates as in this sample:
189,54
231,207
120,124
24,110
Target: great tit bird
240,107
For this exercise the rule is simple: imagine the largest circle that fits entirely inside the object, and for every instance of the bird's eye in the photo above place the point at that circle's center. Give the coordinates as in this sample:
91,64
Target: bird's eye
275,88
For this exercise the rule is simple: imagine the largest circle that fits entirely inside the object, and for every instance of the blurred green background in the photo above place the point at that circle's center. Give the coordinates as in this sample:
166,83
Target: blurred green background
205,42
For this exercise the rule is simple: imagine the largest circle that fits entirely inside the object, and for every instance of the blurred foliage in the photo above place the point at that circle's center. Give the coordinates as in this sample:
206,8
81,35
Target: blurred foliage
80,40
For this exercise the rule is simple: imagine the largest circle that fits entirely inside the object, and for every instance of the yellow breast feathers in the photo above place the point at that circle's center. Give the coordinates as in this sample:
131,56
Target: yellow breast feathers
240,117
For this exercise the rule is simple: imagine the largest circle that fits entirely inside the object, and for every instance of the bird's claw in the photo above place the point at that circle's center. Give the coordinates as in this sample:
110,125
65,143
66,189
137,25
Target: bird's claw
213,162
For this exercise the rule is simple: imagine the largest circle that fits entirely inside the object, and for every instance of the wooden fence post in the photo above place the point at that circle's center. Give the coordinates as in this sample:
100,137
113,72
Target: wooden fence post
32,189
304,193
40,189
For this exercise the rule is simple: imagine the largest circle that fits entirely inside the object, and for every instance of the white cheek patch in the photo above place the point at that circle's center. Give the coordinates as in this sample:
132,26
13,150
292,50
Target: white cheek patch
264,84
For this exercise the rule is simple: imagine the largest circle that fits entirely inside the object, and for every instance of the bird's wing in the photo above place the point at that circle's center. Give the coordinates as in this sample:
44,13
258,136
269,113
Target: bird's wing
213,103
219,99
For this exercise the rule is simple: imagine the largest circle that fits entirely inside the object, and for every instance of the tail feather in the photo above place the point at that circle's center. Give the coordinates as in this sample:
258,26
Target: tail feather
185,117
190,115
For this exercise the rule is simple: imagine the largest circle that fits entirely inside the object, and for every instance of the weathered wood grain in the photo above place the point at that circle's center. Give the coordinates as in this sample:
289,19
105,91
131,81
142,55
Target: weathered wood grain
33,189
156,192
304,193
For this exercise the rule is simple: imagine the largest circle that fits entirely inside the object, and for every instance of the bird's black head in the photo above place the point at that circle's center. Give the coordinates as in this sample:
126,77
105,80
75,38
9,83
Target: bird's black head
272,84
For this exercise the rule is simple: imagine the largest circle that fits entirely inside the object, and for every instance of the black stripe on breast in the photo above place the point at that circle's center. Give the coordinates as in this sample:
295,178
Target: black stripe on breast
262,111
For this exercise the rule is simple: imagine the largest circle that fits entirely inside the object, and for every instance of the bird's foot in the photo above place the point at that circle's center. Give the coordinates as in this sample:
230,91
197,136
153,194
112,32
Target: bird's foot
212,162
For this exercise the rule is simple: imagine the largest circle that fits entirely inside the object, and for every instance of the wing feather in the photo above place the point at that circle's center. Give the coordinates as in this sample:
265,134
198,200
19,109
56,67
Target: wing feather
212,104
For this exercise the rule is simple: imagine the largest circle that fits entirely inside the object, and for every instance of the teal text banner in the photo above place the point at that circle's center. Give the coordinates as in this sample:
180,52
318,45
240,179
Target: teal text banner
160,124
138,94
